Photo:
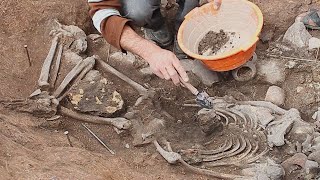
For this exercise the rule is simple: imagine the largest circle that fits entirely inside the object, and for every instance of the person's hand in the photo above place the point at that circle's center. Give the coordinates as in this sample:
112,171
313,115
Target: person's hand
217,3
166,65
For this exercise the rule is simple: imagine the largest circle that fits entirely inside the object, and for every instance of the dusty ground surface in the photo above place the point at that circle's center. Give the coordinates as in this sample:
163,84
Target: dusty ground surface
32,149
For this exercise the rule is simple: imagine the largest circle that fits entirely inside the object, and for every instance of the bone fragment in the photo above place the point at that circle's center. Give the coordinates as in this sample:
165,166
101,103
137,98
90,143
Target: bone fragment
35,93
56,68
88,62
120,123
43,81
170,157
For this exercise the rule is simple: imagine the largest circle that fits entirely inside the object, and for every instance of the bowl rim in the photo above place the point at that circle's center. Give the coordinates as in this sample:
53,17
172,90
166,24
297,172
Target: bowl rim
253,40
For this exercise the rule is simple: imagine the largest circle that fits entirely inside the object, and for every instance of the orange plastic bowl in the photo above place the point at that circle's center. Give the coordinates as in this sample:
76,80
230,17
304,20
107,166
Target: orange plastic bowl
239,16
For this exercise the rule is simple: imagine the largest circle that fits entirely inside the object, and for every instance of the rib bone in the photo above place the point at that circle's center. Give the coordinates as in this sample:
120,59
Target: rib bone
43,81
224,148
120,123
173,157
223,154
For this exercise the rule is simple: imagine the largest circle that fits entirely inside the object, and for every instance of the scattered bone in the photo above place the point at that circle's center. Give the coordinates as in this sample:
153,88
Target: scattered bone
278,129
43,81
88,62
276,95
300,129
120,123
42,105
56,68
170,157
35,93
74,37
94,37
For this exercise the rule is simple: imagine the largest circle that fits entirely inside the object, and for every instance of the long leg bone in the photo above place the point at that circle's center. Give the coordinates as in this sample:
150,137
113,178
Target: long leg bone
45,71
120,123
77,80
106,67
56,68
88,62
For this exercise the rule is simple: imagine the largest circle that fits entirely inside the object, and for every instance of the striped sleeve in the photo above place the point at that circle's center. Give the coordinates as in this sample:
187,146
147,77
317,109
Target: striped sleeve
107,19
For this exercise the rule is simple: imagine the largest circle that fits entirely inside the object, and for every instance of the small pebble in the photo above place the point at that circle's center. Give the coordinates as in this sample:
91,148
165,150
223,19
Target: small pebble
127,146
275,95
299,89
179,121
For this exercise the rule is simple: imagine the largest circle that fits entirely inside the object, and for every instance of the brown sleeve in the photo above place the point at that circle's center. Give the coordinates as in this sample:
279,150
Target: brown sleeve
112,27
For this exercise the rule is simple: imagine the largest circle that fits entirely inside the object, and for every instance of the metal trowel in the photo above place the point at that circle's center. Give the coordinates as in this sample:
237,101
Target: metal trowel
202,98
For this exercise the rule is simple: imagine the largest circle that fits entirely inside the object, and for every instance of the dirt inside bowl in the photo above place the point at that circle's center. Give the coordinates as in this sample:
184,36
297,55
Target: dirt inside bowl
212,42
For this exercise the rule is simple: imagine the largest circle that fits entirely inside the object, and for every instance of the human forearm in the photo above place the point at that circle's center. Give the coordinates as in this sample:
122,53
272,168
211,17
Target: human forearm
162,62
134,43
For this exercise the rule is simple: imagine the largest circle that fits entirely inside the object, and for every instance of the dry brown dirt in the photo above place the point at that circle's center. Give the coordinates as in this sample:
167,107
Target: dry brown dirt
32,149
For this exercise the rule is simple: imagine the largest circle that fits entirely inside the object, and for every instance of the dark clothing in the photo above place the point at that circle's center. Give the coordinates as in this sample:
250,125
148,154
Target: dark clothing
106,15
146,13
